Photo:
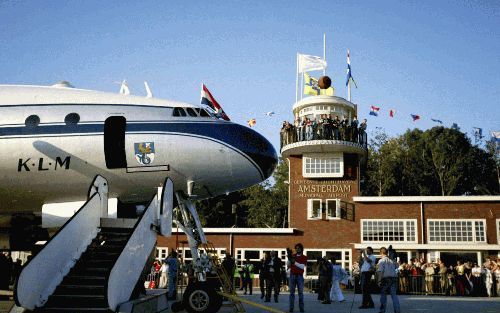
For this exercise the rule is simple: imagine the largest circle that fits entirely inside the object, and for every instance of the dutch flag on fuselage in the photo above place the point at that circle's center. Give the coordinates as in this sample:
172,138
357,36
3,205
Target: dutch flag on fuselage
208,100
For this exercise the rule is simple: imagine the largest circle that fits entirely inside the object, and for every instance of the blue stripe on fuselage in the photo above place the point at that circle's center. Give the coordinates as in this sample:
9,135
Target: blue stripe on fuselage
241,138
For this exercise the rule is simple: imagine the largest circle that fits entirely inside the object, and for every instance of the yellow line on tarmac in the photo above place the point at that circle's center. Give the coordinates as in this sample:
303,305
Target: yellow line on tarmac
260,306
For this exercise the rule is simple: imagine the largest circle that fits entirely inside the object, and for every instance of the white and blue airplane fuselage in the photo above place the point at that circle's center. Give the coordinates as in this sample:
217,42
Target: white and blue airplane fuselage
54,140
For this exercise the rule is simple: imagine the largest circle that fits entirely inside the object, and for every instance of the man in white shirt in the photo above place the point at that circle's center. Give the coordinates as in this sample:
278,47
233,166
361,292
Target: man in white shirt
387,280
367,261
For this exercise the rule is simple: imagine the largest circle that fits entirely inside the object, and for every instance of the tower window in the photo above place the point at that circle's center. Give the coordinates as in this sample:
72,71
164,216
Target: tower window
323,166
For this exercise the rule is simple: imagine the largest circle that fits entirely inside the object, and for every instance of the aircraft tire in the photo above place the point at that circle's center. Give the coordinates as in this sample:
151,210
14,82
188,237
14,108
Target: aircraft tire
201,297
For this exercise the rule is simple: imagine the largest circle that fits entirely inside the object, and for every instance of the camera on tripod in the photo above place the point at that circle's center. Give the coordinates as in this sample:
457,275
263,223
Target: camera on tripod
391,253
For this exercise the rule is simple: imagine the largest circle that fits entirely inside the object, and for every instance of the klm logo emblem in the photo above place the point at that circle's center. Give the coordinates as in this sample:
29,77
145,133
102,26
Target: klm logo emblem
43,165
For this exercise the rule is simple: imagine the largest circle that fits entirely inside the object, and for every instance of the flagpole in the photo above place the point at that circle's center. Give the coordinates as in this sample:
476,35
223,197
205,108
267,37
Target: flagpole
302,86
297,81
324,52
349,90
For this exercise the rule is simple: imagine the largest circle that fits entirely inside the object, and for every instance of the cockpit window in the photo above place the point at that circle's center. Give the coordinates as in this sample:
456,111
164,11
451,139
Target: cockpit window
179,112
191,112
204,113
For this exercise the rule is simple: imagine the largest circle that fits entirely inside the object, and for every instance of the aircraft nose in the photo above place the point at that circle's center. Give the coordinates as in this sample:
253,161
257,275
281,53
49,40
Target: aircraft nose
259,149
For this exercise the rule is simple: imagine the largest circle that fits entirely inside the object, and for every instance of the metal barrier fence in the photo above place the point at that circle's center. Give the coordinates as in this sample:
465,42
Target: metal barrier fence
440,284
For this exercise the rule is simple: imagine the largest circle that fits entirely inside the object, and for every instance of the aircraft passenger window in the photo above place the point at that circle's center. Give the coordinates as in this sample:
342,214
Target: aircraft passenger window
32,121
191,112
179,112
72,119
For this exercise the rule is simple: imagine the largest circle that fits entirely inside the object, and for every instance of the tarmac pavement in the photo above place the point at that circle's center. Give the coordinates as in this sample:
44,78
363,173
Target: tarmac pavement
409,304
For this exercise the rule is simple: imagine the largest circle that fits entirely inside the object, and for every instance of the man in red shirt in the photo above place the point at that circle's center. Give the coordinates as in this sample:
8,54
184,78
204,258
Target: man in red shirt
297,263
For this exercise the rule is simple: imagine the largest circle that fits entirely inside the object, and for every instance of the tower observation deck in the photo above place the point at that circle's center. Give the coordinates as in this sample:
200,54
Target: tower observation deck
324,124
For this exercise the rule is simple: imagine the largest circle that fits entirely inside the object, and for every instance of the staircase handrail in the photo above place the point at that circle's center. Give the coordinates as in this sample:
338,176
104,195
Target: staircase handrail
42,274
127,269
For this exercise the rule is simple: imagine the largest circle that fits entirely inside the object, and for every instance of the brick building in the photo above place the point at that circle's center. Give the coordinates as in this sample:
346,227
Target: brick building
329,217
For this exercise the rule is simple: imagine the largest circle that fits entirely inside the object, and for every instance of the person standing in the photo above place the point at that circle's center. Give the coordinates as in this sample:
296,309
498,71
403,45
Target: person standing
172,274
297,263
387,280
338,275
163,275
262,276
362,132
325,280
247,276
367,268
228,264
275,276
354,129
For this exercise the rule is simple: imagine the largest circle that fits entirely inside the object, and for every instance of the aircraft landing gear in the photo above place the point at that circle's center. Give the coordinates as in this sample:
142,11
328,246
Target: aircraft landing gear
201,294
201,297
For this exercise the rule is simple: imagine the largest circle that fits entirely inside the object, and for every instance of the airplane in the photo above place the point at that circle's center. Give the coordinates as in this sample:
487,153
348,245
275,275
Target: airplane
58,138
55,139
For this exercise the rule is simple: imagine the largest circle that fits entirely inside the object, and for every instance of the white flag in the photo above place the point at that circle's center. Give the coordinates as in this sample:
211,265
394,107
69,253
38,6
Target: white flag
311,63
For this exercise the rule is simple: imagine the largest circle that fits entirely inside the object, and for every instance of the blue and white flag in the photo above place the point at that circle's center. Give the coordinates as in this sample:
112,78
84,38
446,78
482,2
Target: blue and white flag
349,72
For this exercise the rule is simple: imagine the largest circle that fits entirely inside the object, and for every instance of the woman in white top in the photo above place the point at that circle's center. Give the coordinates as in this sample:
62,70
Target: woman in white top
163,275
488,280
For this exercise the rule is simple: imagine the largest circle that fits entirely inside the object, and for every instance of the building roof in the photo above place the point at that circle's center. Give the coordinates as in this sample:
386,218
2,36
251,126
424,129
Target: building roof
245,230
428,199
444,247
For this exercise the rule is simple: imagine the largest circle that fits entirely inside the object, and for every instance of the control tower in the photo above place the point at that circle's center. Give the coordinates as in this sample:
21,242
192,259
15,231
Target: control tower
324,149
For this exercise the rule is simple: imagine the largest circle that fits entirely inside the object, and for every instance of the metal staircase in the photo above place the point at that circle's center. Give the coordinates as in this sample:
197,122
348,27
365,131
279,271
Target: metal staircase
84,288
222,275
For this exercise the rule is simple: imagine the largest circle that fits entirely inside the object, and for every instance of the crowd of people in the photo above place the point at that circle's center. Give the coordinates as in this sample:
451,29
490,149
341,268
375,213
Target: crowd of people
164,274
9,270
325,127
465,278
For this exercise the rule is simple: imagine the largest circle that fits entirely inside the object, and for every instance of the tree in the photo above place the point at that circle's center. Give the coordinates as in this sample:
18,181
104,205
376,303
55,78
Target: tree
267,203
439,161
449,150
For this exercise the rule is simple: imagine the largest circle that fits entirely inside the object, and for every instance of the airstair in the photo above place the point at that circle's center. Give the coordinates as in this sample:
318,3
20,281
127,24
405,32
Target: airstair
93,263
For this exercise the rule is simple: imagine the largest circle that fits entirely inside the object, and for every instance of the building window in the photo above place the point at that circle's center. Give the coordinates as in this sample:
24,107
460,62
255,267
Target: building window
255,255
161,253
333,208
341,256
388,230
321,166
457,231
314,209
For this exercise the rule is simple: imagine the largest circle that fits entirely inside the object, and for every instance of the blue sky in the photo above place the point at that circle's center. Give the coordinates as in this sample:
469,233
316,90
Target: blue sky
438,59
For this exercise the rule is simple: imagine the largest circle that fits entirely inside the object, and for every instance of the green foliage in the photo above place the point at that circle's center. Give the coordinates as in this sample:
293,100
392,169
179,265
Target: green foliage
439,161
262,205
267,204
